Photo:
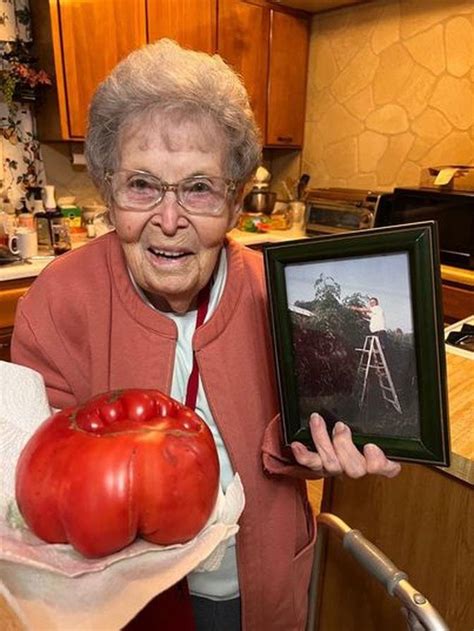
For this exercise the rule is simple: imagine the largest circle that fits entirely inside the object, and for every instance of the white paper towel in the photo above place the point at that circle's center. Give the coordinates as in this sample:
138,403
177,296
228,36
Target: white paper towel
54,587
23,407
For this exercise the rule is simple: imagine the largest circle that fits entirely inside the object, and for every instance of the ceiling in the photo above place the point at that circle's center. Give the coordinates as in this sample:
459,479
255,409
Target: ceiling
316,6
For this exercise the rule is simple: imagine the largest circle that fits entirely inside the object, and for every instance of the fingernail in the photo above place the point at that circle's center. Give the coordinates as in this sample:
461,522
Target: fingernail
315,419
372,448
339,428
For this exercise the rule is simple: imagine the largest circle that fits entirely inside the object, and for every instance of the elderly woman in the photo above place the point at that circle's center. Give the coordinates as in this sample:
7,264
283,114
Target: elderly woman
165,301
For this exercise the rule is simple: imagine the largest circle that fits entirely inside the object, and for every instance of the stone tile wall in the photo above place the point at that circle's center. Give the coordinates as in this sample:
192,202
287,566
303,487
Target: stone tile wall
390,91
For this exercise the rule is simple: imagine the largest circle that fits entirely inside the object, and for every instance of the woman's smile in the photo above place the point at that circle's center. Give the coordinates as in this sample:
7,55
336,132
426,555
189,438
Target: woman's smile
168,257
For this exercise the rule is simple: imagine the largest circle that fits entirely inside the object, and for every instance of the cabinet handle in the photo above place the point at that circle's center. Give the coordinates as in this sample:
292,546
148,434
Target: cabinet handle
5,344
284,138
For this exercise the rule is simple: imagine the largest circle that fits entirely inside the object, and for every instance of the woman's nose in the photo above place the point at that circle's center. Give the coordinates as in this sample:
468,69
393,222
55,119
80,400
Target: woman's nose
169,215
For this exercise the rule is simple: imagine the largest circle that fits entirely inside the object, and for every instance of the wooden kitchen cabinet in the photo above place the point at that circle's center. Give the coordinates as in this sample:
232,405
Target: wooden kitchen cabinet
80,42
5,343
242,41
288,68
269,49
10,293
458,293
318,6
192,23
106,28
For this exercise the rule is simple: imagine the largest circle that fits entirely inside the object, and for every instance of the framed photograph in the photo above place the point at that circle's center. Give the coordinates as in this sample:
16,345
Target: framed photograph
357,327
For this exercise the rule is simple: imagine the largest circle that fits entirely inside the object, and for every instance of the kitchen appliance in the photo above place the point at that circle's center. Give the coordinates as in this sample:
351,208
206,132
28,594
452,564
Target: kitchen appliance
260,202
260,199
453,210
333,210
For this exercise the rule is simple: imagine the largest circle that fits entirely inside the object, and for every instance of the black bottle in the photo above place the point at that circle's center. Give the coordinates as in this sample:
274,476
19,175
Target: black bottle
46,218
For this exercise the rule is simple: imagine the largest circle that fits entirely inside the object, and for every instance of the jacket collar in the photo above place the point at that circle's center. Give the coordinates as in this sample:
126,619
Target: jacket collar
160,324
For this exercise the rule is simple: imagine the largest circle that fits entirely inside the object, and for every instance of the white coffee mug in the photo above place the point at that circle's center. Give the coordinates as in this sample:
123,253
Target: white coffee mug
24,242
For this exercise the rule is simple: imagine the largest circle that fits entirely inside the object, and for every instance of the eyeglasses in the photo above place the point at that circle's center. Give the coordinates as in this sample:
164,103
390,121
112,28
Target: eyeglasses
198,195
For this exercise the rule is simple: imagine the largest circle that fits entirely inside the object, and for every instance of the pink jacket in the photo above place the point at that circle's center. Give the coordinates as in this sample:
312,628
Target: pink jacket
83,326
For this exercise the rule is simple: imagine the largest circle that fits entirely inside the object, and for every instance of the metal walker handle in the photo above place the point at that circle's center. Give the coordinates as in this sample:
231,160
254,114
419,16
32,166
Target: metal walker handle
379,565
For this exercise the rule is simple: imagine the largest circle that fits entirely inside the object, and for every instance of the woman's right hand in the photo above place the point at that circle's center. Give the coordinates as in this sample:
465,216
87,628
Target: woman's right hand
338,454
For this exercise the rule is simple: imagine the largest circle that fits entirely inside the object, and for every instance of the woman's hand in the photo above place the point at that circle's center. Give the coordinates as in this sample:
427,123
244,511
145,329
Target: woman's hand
340,455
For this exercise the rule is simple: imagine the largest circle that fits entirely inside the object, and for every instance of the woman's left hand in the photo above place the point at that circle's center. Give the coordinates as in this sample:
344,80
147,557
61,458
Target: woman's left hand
340,455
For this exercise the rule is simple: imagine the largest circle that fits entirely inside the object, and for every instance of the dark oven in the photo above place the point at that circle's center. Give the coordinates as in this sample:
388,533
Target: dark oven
333,210
452,210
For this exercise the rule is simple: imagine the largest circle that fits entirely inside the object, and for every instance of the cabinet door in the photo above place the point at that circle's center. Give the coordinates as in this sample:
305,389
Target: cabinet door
289,38
242,40
192,23
5,344
94,37
10,293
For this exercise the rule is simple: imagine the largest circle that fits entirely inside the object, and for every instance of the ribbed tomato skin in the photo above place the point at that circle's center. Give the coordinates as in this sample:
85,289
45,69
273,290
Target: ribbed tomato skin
126,464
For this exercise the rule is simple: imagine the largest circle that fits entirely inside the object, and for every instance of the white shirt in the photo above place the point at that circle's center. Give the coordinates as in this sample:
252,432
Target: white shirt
377,319
223,583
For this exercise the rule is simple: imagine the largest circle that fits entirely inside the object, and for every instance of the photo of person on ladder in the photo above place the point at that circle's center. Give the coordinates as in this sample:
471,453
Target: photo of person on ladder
376,316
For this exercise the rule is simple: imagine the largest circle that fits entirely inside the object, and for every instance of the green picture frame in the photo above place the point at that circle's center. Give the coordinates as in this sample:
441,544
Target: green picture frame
376,362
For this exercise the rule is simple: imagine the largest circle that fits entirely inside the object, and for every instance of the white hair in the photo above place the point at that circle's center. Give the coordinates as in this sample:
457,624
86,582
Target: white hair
163,77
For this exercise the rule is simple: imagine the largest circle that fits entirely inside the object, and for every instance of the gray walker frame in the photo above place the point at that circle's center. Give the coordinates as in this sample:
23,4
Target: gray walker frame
422,615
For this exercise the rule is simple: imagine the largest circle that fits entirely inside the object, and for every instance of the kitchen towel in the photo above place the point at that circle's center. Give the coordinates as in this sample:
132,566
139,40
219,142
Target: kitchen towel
51,586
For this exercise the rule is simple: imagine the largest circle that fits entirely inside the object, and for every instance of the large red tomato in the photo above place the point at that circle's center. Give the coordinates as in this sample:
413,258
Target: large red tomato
125,464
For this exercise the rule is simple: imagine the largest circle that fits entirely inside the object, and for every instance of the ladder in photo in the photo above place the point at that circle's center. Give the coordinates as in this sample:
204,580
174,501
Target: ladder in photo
373,358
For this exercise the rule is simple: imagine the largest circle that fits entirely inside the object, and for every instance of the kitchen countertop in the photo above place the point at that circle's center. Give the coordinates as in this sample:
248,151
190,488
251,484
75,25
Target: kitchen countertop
460,381
270,236
457,275
33,268
24,269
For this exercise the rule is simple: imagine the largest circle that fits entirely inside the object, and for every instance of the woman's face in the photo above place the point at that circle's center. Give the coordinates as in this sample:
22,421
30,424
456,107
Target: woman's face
171,253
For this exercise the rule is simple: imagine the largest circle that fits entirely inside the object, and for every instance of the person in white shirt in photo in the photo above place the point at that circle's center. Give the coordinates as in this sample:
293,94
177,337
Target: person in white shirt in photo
376,317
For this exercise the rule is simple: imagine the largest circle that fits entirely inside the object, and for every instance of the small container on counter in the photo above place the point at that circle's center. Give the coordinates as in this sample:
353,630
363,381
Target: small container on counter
280,217
24,243
3,229
43,229
45,219
297,212
61,236
72,212
25,218
90,227
93,215
8,220
254,222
